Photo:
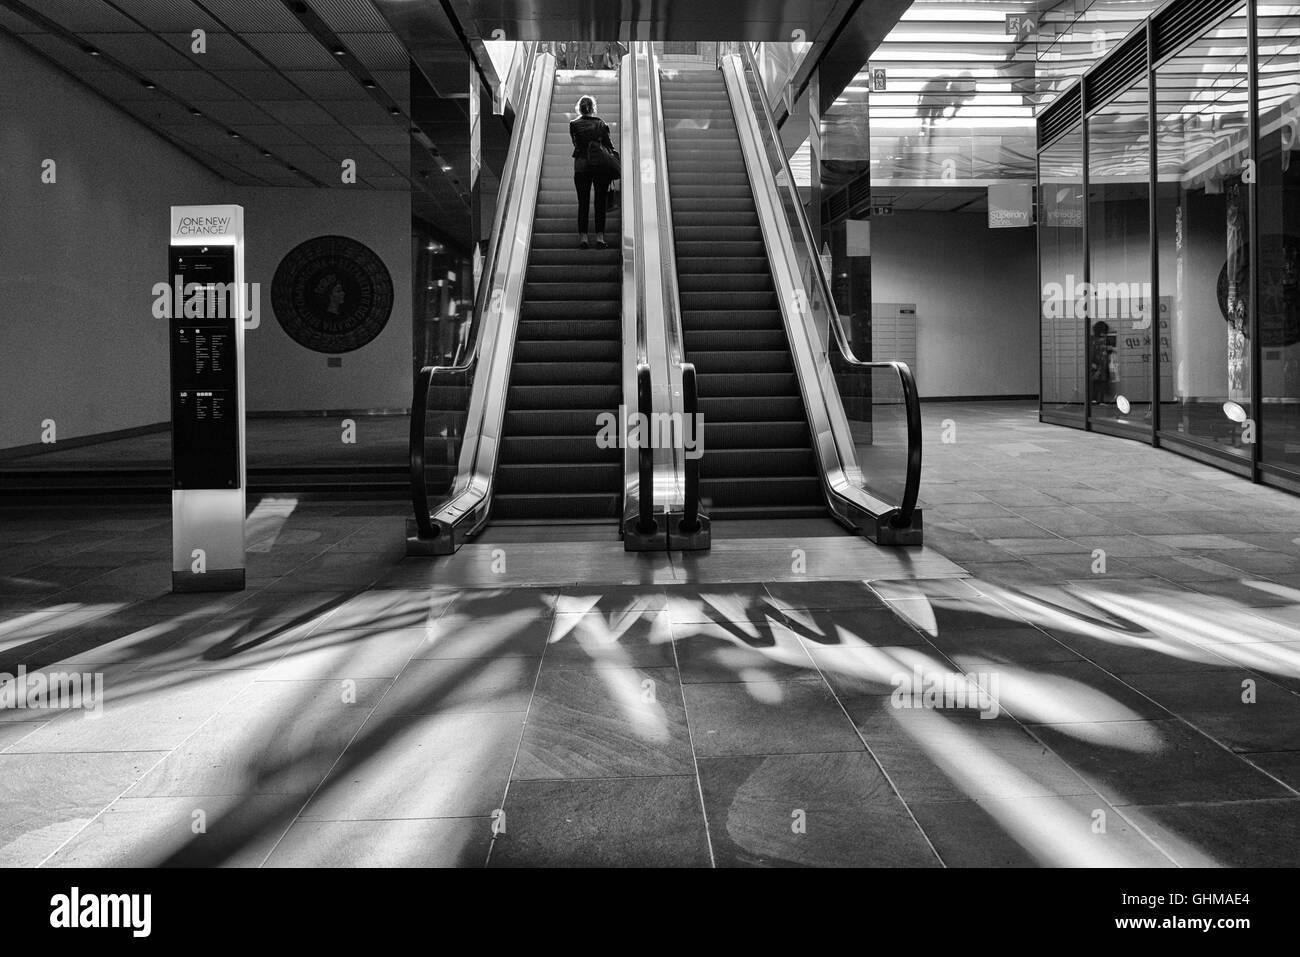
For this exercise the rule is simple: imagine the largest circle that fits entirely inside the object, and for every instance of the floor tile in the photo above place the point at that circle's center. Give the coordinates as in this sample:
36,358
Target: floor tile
623,822
446,765
1227,834
809,810
435,842
604,722
1056,831
767,717
1144,762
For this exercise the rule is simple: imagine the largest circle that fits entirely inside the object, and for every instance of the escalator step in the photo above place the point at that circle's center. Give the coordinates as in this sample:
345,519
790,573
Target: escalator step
700,341
742,361
755,279
767,490
705,233
564,397
762,384
516,449
572,291
772,462
557,477
559,373
749,409
692,301
568,329
599,273
607,310
568,350
556,507
574,422
749,435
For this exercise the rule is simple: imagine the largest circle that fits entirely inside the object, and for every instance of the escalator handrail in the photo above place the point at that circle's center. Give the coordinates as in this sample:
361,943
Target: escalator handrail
638,488
466,357
645,456
690,522
911,398
681,370
419,420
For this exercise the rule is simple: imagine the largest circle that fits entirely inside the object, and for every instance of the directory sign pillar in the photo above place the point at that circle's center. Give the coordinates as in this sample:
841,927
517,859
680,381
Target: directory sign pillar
206,331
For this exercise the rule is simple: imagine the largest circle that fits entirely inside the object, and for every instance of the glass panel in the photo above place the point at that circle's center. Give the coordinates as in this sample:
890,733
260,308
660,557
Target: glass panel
1060,273
1279,231
1119,248
1202,226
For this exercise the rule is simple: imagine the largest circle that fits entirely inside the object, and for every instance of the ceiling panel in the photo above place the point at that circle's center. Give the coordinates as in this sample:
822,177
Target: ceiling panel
296,112
270,135
396,82
363,112
293,51
383,134
81,16
191,84
350,16
118,88
71,58
259,85
15,23
142,52
164,113
164,15
326,85
224,52
235,112
328,136
377,51
253,16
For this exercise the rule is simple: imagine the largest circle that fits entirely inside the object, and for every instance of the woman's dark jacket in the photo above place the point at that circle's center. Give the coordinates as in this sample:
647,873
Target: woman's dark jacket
583,131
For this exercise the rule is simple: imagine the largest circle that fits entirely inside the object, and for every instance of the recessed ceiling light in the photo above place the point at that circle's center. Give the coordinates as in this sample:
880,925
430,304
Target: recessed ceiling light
395,111
339,51
368,84
446,167
233,134
91,50
194,112
147,85
293,169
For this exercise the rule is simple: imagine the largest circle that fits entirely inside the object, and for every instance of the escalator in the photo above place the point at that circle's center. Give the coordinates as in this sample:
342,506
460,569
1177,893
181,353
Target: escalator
567,367
760,460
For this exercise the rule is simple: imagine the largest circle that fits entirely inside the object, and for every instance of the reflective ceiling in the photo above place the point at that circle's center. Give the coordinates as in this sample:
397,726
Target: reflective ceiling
962,84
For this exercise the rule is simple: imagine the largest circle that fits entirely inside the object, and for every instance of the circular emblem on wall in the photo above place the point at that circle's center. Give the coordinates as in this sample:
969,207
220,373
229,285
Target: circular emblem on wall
332,294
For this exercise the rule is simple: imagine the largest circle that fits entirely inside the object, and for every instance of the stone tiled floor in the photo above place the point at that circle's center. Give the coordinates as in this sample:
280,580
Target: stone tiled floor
1131,619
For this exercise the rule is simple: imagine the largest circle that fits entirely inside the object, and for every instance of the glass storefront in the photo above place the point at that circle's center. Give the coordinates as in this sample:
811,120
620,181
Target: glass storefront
1061,274
1119,317
1203,229
1278,188
1193,344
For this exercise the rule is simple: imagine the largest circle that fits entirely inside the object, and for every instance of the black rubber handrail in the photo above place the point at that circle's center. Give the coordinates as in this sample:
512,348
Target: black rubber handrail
419,418
690,522
646,524
902,517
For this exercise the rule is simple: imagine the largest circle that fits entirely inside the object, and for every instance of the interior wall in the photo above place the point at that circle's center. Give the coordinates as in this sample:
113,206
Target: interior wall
976,295
281,375
79,256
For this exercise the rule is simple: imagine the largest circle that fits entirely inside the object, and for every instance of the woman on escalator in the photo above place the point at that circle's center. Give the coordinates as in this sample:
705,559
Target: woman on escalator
595,165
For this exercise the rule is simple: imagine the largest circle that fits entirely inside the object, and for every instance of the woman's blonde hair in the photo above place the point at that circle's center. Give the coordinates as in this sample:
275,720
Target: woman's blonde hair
589,102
